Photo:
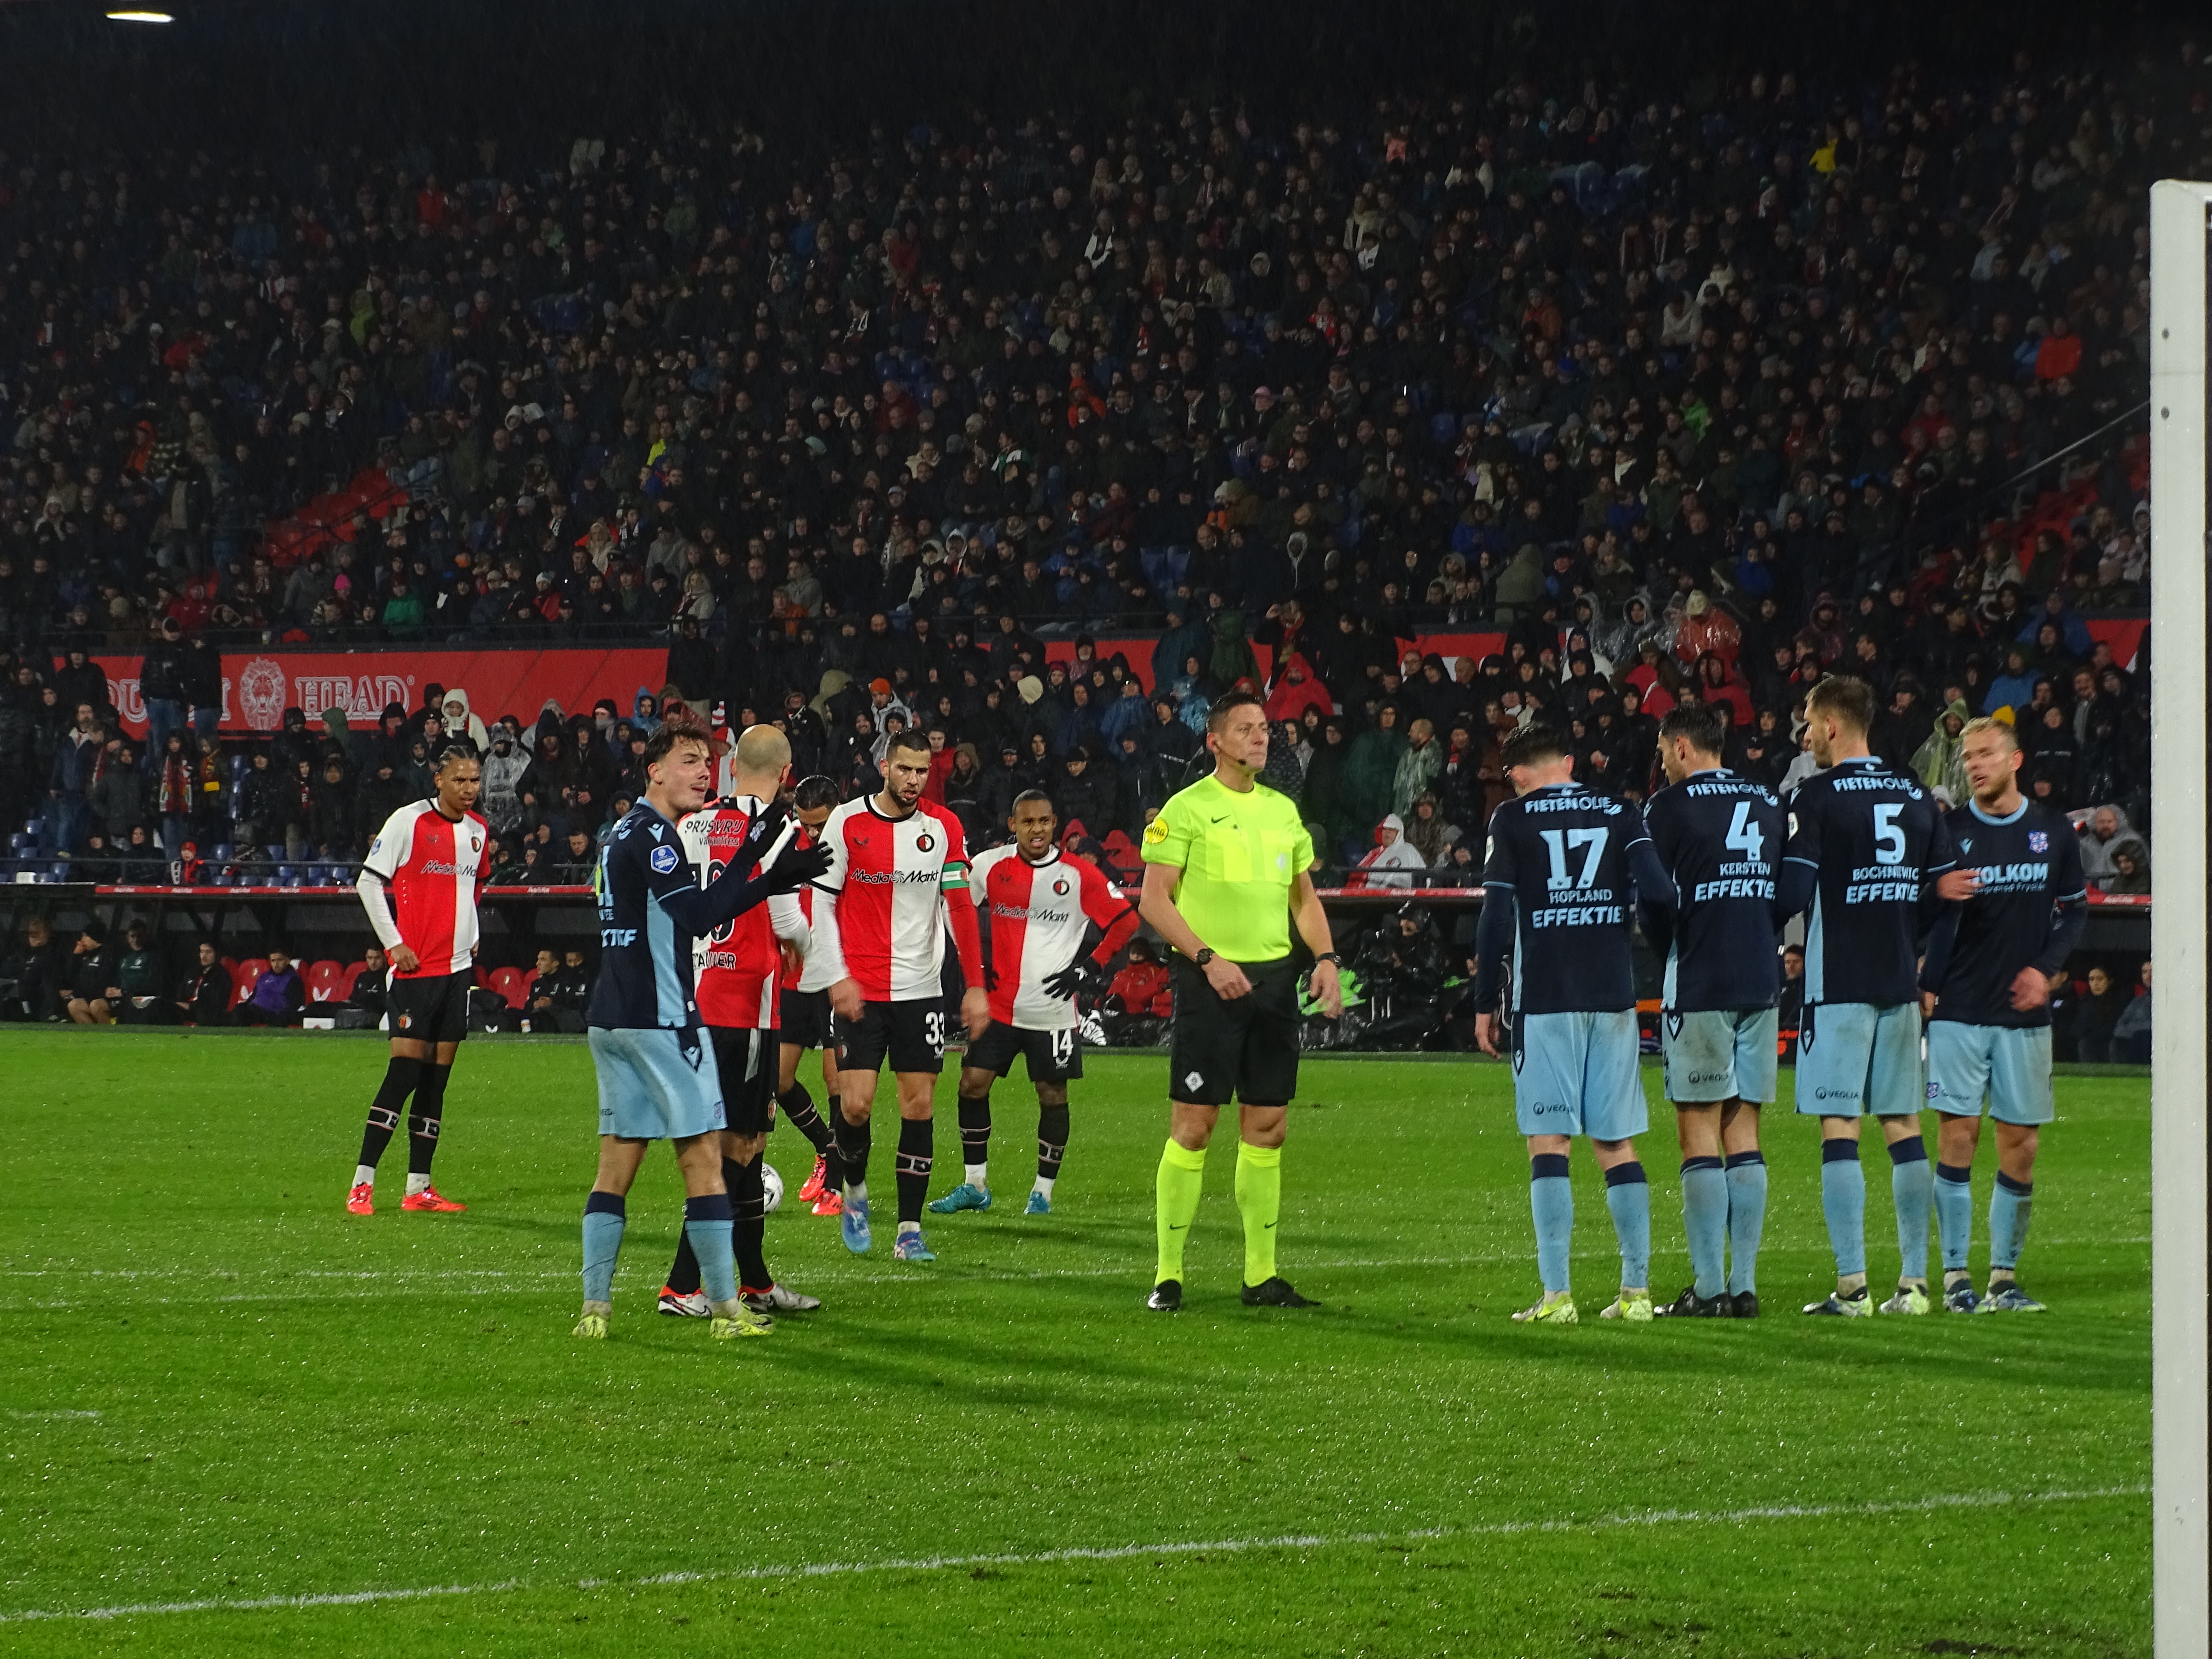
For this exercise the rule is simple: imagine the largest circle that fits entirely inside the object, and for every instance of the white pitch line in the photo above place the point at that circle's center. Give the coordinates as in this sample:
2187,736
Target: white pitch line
1643,1518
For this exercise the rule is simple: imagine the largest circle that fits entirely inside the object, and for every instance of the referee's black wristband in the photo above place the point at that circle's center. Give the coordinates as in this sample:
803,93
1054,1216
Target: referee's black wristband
1329,957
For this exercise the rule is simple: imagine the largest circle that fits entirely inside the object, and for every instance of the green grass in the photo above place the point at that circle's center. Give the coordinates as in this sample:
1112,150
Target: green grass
219,1387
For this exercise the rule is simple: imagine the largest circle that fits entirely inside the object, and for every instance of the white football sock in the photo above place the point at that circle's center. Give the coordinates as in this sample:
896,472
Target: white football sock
364,1174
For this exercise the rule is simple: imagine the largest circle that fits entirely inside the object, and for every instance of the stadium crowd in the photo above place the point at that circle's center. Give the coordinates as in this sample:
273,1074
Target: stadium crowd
1685,402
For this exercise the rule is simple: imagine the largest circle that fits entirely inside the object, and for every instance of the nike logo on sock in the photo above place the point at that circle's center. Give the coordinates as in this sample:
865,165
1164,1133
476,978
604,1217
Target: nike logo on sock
1268,1226
1177,1226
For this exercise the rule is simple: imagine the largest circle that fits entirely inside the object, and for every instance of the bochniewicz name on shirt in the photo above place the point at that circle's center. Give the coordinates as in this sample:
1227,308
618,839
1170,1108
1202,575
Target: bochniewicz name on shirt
1880,883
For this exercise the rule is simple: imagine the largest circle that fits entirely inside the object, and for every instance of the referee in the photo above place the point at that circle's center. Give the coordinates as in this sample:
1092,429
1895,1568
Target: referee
1226,874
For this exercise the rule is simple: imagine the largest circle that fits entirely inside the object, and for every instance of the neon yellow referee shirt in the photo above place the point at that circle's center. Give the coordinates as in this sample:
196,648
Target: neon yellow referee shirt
1239,856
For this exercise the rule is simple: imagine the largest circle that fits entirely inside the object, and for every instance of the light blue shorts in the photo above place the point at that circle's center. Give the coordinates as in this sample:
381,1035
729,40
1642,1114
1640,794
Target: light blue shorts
1714,1055
2009,1064
1853,1058
656,1083
1579,1074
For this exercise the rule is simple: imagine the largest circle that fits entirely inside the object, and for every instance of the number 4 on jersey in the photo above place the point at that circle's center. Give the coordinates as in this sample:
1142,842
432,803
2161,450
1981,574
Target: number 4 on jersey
1744,836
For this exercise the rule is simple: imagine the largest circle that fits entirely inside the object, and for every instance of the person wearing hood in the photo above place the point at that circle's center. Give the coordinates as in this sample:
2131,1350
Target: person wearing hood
1391,861
2131,867
390,742
2098,1012
462,721
1706,627
1370,773
1941,762
1232,658
503,767
1185,635
1617,641
1295,691
1418,764
645,712
2100,835
2015,686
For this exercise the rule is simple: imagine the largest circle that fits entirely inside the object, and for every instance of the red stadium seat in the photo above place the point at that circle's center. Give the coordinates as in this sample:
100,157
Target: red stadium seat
508,981
347,975
323,982
244,977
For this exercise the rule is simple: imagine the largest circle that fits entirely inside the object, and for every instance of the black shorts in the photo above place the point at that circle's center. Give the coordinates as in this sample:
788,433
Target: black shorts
747,1063
1050,1056
806,1019
430,1007
910,1035
1247,1048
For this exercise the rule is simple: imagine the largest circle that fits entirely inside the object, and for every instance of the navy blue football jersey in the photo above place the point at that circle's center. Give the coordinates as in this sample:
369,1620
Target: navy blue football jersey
1564,856
1876,842
1720,837
645,959
652,906
2029,911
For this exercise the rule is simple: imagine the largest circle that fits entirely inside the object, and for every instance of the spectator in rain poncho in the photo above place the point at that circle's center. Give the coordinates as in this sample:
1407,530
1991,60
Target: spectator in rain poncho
1391,861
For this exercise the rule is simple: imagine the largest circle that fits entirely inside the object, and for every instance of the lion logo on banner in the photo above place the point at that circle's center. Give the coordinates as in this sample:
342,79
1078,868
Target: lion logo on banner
261,694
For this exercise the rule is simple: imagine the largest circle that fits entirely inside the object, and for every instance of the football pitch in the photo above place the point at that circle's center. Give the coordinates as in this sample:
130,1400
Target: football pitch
239,1420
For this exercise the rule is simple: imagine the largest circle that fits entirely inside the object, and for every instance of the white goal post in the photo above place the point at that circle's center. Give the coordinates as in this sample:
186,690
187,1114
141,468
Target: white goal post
2178,924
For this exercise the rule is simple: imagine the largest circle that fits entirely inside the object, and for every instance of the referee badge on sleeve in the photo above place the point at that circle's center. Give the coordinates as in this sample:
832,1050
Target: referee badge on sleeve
1156,832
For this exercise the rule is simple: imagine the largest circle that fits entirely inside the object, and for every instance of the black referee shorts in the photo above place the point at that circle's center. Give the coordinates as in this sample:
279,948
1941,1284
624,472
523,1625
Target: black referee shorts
1246,1048
747,1061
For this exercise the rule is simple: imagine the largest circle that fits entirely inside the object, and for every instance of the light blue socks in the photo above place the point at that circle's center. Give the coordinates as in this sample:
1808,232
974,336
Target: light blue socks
603,1236
1843,1201
1628,1195
1705,1220
1747,1220
1552,1202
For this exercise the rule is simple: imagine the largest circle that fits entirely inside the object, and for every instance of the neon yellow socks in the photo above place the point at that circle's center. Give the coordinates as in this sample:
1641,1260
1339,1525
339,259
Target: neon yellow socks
1259,1200
1182,1173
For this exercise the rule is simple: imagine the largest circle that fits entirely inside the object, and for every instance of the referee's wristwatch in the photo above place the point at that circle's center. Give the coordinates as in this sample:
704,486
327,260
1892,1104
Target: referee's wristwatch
1204,955
1329,957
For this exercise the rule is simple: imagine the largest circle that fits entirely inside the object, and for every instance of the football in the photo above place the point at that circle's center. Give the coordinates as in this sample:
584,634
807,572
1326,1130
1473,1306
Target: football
771,1187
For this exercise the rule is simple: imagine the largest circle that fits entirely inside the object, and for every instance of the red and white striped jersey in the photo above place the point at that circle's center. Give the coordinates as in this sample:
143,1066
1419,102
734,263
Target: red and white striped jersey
824,964
1038,913
737,971
433,869
886,890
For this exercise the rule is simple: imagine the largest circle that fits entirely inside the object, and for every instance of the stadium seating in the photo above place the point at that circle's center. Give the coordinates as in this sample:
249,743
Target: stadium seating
323,982
509,983
243,976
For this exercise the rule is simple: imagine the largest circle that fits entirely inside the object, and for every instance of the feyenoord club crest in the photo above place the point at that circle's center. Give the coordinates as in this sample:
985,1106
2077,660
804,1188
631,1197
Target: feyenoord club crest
1060,887
925,842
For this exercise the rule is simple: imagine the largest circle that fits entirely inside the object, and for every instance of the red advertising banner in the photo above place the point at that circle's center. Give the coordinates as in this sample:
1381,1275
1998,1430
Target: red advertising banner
259,686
